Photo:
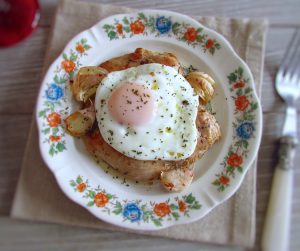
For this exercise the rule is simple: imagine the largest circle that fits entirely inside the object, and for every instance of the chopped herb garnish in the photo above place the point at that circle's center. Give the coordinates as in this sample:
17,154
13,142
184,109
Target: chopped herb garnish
185,102
168,129
179,155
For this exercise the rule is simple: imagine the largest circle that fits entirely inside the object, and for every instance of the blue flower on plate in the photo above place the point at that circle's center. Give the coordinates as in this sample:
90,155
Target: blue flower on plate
245,130
54,92
132,212
163,25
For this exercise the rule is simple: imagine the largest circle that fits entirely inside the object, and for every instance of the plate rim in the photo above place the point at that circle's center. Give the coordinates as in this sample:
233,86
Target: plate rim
223,40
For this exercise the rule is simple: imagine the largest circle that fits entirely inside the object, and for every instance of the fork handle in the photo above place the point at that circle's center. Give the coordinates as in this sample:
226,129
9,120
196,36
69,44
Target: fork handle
277,223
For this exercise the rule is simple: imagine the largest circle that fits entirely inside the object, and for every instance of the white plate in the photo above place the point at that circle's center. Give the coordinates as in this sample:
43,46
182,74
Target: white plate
218,174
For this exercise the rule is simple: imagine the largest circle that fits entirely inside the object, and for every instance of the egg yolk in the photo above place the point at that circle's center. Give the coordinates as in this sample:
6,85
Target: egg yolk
132,104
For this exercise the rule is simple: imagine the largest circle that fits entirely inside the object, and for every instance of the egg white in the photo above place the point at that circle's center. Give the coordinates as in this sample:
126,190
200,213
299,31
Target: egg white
172,134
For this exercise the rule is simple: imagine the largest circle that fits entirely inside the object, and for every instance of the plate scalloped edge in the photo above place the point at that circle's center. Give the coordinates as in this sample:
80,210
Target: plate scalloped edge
184,207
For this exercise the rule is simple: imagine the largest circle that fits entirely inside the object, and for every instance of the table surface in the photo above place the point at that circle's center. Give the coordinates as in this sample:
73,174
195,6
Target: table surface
20,74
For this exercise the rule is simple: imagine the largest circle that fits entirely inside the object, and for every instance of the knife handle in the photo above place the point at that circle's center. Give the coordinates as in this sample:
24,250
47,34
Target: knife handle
276,232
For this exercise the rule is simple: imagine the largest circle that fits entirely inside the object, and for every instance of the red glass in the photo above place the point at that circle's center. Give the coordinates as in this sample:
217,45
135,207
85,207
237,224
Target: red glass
18,19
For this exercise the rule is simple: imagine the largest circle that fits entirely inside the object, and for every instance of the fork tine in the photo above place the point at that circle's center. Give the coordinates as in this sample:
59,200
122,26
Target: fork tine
295,65
291,54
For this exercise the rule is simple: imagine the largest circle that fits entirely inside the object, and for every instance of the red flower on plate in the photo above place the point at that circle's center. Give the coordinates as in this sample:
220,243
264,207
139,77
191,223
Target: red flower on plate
54,119
81,187
241,103
100,200
235,160
80,48
68,65
162,209
209,43
137,27
181,206
239,84
191,34
119,28
224,180
53,138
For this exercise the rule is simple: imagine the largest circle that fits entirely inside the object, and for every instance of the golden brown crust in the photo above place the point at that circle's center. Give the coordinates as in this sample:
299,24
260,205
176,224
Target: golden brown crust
148,170
139,57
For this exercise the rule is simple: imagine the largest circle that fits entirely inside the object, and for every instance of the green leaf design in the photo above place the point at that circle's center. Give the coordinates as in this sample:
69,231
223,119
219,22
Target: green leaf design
239,92
46,130
196,205
218,46
142,16
125,20
92,194
146,215
108,27
60,147
73,57
73,183
176,215
78,179
190,199
64,55
112,35
248,116
173,207
151,24
54,130
42,113
240,72
109,196
221,188
254,106
175,28
212,50
200,38
157,222
245,143
118,208
90,203
247,90
56,80
126,29
199,30
230,169
232,77
83,40
216,182
240,169
87,47
51,150
238,143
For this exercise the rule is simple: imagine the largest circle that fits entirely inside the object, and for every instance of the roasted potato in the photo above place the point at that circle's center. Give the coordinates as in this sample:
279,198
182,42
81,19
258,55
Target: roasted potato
86,83
80,122
203,84
176,180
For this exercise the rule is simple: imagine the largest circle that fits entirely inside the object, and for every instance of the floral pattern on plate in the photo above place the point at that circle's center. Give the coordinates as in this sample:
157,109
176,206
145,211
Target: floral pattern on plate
243,126
140,207
136,211
160,25
53,109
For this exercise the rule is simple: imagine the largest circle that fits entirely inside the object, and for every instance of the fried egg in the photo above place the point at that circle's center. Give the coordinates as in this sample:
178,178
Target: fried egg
148,112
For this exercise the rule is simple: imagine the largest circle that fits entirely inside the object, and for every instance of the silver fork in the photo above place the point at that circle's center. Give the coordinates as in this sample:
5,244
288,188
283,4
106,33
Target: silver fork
277,223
